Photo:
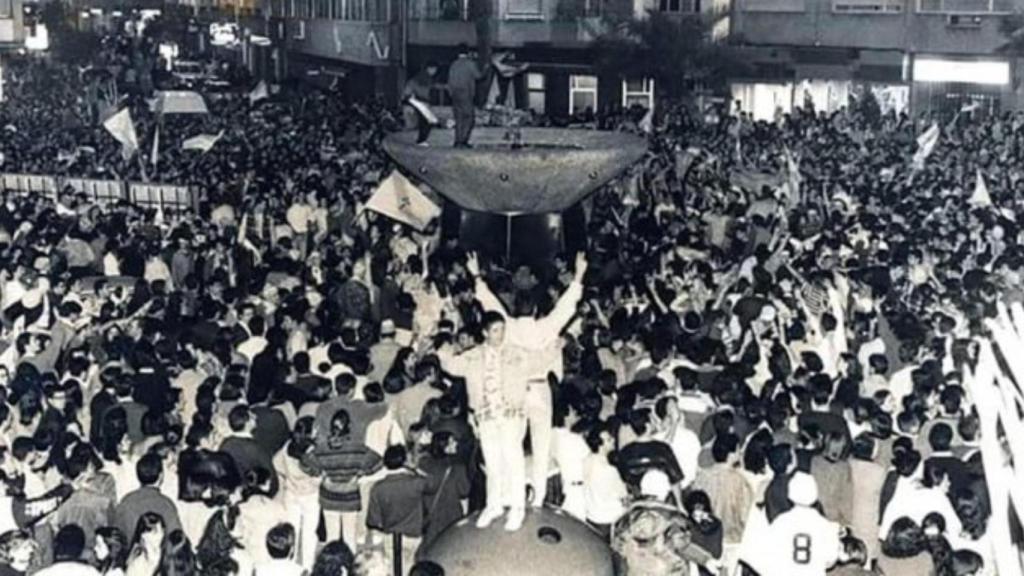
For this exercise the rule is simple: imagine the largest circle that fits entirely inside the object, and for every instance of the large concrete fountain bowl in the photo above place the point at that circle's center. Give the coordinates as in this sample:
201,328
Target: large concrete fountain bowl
555,169
550,543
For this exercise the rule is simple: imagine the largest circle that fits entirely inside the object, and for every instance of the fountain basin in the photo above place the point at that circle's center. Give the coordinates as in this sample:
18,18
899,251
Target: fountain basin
550,542
554,170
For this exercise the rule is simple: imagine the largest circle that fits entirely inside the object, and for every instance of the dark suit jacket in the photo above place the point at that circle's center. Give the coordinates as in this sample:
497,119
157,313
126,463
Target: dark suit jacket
138,502
249,455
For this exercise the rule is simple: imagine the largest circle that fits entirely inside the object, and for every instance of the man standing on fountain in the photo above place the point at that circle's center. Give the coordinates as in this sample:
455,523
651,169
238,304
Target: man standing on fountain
496,374
540,336
463,75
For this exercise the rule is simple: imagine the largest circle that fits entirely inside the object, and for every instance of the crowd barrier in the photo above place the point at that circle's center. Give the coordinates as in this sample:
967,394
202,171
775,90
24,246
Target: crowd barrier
167,196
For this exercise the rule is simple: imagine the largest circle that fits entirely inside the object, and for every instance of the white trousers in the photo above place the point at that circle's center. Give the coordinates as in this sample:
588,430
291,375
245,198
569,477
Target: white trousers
501,441
305,514
538,415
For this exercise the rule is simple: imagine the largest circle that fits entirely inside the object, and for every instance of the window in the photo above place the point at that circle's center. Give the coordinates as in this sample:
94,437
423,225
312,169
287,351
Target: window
638,91
774,5
535,92
323,9
679,6
867,6
524,9
965,6
582,93
5,8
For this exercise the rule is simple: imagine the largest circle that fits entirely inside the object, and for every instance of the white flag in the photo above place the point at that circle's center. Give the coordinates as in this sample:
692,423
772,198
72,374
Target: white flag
399,199
980,197
423,109
202,142
925,145
647,123
155,153
970,107
258,93
122,129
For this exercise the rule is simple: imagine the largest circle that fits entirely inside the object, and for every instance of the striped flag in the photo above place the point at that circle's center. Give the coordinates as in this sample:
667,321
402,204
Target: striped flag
926,145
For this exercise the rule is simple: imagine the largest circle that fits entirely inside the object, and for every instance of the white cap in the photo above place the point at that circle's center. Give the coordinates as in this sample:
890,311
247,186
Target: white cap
655,483
802,489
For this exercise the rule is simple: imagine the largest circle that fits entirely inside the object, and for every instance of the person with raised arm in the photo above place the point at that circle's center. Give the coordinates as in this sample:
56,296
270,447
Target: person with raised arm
539,335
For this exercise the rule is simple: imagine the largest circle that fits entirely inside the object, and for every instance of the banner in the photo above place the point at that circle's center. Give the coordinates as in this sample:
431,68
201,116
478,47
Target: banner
180,102
122,129
754,180
399,199
202,142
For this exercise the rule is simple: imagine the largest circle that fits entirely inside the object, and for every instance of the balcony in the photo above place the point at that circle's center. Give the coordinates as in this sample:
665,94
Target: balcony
965,6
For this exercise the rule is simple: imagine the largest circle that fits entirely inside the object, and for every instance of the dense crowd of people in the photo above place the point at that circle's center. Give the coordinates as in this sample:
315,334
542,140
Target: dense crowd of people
761,380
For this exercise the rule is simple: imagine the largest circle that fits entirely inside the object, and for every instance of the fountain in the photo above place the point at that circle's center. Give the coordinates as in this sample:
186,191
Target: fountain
518,192
549,541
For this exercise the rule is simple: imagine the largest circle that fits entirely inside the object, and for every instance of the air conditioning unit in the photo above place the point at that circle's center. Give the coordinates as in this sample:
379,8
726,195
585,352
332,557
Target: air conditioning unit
963,21
298,29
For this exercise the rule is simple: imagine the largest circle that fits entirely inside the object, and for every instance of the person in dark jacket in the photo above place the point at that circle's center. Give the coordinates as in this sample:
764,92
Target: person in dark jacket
463,75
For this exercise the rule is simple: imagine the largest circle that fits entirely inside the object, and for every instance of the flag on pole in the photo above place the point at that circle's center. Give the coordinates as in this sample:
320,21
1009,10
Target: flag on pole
260,92
792,183
202,142
980,197
423,109
399,199
155,153
122,129
647,123
925,145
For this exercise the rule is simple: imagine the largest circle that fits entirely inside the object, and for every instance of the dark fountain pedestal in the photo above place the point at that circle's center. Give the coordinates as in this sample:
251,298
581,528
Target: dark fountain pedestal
523,204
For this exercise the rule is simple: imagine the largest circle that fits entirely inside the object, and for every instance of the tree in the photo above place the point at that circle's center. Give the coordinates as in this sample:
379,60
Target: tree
677,52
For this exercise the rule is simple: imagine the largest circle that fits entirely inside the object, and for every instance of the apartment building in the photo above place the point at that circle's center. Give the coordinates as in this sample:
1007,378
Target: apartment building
917,55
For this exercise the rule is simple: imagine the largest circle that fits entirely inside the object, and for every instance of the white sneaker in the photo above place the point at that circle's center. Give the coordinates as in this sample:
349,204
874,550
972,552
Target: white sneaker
487,516
515,519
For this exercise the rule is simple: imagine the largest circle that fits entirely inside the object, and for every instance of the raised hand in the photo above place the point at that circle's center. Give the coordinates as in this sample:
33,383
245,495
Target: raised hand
473,264
581,265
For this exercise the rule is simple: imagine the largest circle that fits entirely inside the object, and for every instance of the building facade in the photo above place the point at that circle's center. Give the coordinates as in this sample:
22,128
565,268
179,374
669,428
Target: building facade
12,33
372,46
917,55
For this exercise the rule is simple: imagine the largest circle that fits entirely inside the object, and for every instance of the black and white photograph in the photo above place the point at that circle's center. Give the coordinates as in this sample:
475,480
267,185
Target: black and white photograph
511,287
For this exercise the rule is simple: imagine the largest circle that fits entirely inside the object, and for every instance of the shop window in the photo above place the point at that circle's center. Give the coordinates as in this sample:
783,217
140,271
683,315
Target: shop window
582,93
536,86
638,91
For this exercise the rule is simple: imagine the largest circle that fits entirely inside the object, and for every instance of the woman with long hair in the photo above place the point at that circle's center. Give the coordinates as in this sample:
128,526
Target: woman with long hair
178,558
147,546
110,551
335,559
301,487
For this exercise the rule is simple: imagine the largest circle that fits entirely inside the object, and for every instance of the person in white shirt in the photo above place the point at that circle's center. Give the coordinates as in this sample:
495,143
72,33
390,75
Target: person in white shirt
541,336
801,541
280,547
604,491
684,442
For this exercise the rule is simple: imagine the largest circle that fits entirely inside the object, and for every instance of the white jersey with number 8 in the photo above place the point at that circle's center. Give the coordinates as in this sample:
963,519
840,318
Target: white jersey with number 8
801,542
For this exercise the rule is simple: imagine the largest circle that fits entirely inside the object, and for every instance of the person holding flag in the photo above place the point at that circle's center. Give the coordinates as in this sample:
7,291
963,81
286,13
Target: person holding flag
415,97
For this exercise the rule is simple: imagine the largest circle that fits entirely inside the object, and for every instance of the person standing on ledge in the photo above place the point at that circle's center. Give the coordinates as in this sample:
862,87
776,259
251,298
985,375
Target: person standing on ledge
463,75
419,87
